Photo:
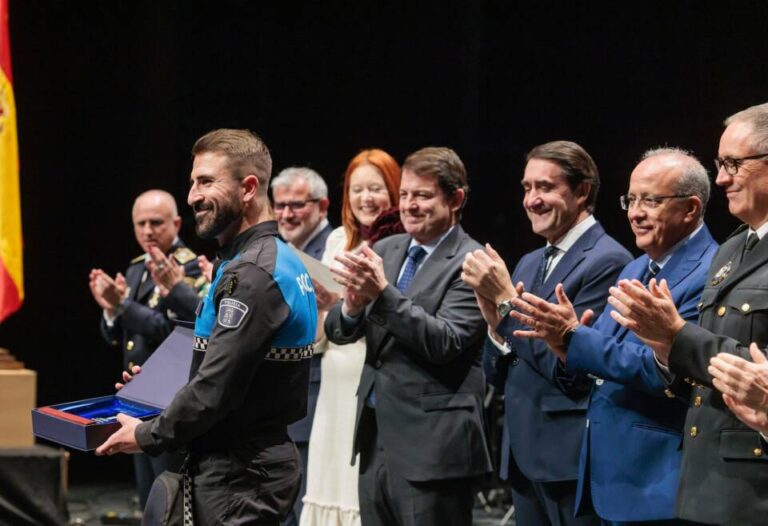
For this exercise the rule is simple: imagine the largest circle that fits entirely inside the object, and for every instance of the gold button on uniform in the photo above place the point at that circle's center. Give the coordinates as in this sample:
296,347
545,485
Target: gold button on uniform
745,307
130,366
721,311
129,345
694,431
697,401
758,452
668,393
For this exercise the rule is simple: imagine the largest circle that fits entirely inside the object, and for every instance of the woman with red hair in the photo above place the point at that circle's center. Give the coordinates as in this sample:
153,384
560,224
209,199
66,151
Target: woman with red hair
368,213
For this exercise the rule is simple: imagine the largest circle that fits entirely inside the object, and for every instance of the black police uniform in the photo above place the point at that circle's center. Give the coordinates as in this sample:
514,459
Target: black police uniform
143,323
253,341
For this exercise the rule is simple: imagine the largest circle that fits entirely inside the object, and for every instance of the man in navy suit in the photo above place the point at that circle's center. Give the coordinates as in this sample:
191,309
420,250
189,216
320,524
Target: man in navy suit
630,457
544,409
300,198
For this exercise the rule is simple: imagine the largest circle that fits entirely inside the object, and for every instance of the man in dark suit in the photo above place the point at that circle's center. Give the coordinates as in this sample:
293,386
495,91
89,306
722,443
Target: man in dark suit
723,475
301,208
419,426
544,408
632,410
138,311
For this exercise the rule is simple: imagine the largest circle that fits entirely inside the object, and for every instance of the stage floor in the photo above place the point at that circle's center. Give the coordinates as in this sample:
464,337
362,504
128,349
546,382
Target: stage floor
88,503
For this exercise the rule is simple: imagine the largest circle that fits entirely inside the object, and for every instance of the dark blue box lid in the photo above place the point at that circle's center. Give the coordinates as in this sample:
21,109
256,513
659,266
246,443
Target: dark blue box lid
165,371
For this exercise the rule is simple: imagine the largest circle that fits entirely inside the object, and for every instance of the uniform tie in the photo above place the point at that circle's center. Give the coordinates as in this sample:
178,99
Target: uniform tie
415,255
541,272
752,240
653,269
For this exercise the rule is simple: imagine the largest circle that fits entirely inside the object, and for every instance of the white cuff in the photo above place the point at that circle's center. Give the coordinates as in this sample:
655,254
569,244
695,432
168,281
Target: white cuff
663,370
502,347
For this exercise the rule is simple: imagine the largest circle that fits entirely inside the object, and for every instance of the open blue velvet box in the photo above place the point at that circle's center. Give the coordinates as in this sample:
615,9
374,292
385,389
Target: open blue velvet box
87,424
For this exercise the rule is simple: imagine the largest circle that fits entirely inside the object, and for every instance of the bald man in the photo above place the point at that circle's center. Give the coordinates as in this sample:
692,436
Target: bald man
159,285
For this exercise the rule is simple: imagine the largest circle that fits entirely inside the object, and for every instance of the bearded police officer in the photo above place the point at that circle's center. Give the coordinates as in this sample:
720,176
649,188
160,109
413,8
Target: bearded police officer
253,340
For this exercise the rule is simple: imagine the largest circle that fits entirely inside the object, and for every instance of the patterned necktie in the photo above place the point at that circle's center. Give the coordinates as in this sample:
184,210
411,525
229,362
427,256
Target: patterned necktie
541,272
653,269
751,242
415,255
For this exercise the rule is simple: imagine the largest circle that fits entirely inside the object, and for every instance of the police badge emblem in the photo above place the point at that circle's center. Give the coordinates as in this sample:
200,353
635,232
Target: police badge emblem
721,274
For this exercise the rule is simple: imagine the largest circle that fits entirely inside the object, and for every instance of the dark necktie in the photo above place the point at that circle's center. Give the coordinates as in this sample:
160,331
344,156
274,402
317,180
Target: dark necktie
653,269
541,272
752,240
415,255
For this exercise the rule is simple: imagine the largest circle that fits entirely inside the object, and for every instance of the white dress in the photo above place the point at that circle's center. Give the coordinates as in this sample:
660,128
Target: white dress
331,497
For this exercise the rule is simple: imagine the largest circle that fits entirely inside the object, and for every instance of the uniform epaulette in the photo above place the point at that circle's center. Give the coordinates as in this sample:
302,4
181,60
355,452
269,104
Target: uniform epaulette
137,259
183,255
738,231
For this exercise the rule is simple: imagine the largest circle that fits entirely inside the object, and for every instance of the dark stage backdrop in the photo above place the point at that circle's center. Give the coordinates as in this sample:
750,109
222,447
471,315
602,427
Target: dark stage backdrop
111,96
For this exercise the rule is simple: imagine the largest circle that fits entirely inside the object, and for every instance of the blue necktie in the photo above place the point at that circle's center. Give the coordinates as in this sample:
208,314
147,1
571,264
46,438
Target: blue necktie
415,255
653,269
541,272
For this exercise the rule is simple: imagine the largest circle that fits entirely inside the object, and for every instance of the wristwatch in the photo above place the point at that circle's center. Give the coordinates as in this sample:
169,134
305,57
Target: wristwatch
504,308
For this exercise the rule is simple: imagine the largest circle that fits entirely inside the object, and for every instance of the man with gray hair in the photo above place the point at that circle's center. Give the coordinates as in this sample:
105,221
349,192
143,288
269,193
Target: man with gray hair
300,198
301,208
632,407
723,474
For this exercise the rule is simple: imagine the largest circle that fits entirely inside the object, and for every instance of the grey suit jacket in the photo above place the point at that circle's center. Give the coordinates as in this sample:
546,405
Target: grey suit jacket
423,362
724,475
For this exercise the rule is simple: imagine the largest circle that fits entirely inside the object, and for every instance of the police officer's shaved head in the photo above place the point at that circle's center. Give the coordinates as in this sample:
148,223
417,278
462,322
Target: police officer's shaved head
156,220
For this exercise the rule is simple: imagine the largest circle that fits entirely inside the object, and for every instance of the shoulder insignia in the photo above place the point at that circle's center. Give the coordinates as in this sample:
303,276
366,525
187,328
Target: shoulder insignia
190,281
183,255
137,259
231,313
230,286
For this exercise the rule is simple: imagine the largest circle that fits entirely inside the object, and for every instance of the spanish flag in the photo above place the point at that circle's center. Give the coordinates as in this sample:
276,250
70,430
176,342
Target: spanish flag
11,269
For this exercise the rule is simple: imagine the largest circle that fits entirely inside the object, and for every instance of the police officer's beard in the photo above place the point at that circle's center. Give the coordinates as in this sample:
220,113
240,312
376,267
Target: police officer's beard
209,227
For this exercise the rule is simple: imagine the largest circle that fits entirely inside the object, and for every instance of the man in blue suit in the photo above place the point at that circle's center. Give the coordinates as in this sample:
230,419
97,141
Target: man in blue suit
300,200
630,456
544,409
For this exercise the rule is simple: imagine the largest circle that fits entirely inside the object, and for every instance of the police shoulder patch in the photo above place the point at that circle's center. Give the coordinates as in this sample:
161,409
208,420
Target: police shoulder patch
231,313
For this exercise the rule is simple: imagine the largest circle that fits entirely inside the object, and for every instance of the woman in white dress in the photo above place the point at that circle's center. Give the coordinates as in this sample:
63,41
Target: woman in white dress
371,186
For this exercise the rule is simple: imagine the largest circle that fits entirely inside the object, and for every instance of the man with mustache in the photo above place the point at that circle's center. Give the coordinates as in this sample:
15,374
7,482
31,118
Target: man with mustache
137,308
723,474
544,408
254,335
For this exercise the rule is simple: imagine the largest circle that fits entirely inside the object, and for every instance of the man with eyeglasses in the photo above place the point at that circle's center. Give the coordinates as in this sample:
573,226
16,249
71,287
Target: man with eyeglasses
632,407
300,198
301,208
545,410
724,474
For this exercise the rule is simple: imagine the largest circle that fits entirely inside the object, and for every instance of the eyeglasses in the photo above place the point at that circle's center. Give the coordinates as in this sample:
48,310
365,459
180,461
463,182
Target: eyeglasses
294,205
732,164
649,202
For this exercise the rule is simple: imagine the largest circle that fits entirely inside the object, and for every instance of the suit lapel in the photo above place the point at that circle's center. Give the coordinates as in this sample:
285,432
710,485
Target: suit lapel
436,261
686,259
756,258
571,260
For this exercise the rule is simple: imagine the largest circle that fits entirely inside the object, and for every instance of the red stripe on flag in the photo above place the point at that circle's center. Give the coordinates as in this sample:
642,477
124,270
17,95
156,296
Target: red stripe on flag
9,294
5,41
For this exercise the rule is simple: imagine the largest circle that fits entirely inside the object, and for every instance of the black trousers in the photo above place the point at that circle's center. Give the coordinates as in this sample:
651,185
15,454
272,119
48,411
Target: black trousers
387,499
549,503
254,483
